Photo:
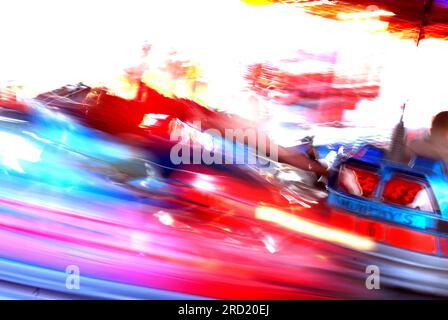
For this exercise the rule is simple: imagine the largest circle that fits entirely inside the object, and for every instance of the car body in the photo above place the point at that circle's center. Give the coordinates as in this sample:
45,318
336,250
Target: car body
402,207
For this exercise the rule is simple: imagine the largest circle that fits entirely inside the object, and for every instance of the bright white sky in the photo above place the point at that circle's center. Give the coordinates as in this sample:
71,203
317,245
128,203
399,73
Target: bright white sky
48,43
64,40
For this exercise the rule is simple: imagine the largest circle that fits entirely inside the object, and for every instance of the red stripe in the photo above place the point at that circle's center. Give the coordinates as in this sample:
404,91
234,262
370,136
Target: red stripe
388,233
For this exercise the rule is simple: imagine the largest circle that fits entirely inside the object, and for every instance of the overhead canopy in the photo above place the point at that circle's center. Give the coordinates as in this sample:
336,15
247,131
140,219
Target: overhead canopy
407,15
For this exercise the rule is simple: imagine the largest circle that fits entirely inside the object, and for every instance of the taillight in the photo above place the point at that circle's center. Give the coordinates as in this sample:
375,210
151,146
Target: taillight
404,192
357,181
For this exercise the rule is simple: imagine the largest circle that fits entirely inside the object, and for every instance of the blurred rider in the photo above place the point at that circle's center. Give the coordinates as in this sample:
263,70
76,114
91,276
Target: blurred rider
435,144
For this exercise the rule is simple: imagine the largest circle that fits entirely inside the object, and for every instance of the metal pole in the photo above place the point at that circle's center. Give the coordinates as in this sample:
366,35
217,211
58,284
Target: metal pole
427,6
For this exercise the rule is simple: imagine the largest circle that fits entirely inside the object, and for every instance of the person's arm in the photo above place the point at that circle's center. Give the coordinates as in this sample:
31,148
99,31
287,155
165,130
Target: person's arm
292,157
300,160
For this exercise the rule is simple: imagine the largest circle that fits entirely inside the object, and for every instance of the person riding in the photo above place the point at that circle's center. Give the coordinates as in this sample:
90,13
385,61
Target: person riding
435,144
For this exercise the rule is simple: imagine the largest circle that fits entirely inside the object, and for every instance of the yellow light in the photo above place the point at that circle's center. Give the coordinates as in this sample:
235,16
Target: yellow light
300,225
258,2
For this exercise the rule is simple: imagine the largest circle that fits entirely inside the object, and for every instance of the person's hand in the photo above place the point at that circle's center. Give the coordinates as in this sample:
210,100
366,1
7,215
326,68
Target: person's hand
302,161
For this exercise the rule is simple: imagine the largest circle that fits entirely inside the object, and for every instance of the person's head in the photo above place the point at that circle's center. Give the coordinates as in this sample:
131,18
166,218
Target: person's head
439,127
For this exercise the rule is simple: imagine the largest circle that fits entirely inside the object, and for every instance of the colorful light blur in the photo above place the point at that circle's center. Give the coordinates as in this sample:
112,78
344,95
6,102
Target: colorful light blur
312,229
271,62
